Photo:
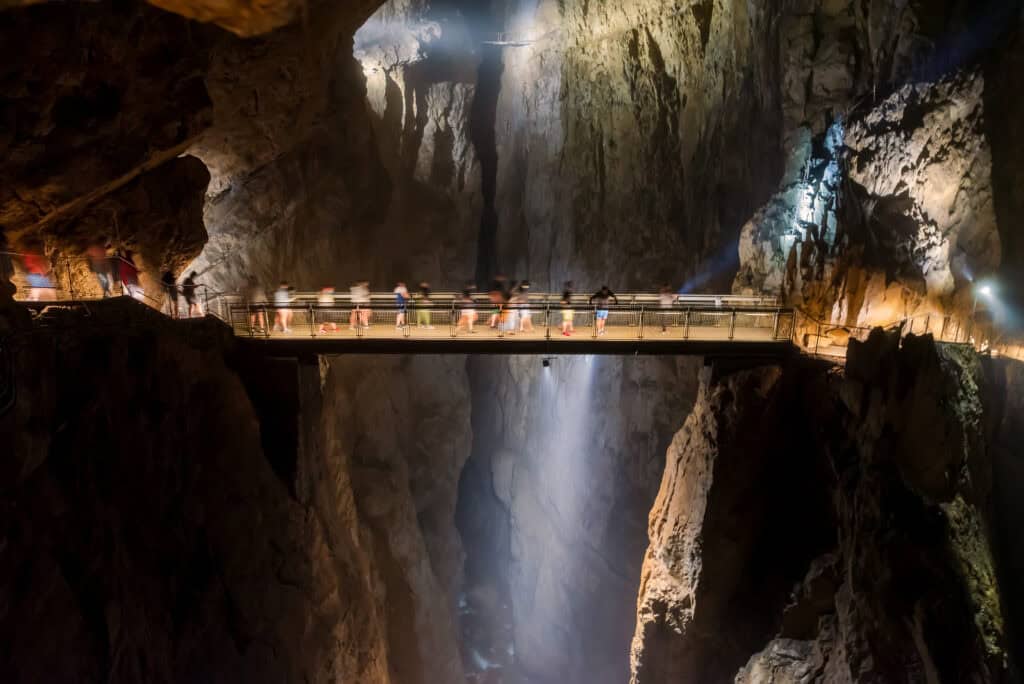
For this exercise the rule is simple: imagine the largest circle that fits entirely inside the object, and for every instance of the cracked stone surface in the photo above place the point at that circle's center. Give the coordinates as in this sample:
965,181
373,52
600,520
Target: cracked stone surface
899,560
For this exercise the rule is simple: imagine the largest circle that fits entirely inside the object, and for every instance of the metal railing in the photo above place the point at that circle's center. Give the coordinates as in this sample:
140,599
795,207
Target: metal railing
636,316
79,279
544,316
831,340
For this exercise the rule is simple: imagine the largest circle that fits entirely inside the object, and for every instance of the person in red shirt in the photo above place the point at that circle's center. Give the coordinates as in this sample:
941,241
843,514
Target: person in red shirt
37,269
130,275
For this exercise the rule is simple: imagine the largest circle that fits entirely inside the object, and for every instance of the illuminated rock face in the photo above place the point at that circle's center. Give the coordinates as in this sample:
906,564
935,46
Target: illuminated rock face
848,522
892,215
633,140
356,164
886,206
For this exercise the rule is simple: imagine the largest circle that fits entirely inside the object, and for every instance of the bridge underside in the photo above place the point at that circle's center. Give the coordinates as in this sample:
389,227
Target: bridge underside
293,347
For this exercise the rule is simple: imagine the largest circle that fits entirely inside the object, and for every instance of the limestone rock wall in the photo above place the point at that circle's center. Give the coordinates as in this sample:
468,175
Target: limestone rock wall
886,207
818,526
175,510
633,139
148,535
79,130
328,168
406,423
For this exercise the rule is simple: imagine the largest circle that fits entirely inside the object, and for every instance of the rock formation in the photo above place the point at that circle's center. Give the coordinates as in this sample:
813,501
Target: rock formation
80,132
862,155
148,535
633,140
817,526
886,207
176,510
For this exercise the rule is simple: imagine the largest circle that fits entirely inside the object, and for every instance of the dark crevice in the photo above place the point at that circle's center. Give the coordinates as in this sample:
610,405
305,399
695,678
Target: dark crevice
483,118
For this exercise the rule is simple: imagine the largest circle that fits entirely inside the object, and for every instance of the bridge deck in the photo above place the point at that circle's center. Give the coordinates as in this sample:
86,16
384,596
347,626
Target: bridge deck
709,325
620,339
698,327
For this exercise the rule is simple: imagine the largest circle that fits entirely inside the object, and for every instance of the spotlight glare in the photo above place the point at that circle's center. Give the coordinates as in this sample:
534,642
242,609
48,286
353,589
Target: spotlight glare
986,290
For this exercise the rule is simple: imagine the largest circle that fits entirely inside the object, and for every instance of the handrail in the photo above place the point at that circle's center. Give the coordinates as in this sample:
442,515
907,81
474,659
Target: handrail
542,318
945,328
634,316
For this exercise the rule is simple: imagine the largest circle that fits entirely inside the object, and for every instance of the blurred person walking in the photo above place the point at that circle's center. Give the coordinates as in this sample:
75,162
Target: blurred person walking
129,273
423,307
325,300
38,270
360,295
188,290
666,300
167,280
402,303
99,264
467,311
256,302
521,302
282,302
568,315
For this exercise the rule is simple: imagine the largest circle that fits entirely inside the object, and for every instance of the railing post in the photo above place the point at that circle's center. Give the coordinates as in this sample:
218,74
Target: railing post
501,321
775,325
312,320
817,337
927,323
640,336
732,324
266,322
594,323
686,324
547,321
248,319
359,321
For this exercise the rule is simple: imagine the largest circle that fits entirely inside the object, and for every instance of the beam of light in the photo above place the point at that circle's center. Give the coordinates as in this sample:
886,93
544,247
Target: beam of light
383,43
724,261
556,493
962,46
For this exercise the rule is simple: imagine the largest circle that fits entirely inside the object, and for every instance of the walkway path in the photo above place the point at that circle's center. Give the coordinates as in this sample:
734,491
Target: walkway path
638,323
